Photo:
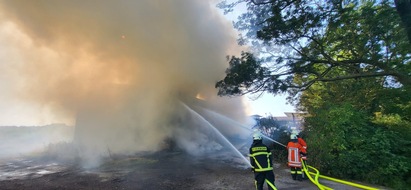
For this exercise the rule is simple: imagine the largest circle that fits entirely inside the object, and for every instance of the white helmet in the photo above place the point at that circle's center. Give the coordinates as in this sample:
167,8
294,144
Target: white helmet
257,136
294,134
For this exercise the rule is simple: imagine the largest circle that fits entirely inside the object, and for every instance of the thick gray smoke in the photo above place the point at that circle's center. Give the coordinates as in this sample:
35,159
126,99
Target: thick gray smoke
118,70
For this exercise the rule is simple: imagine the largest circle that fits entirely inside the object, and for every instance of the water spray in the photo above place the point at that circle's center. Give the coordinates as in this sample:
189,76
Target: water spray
218,133
242,126
272,140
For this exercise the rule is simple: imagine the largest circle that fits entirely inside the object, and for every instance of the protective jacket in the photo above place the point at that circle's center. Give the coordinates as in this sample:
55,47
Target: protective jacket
260,157
302,142
294,154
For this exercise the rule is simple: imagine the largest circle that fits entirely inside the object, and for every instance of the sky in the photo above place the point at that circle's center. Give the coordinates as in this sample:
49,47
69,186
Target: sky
269,104
25,100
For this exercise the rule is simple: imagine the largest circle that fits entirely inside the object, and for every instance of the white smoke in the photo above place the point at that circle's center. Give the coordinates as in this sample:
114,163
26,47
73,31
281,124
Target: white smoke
117,70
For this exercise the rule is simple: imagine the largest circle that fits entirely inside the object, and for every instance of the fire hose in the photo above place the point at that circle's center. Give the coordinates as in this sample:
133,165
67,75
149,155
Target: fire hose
323,187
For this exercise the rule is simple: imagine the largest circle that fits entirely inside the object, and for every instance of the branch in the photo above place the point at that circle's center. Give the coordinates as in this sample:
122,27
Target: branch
270,2
261,3
354,76
330,59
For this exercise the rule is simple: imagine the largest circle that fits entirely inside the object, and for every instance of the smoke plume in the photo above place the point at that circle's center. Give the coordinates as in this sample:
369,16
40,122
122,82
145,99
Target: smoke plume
119,71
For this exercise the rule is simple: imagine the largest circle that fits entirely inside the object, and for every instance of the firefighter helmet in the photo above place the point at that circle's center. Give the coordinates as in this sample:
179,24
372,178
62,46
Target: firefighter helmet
257,136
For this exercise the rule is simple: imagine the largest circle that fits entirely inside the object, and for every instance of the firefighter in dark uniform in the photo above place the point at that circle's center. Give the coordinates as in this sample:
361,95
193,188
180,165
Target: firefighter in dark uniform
261,163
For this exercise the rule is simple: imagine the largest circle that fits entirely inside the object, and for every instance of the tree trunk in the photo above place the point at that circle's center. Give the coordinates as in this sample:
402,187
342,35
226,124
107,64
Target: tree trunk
404,10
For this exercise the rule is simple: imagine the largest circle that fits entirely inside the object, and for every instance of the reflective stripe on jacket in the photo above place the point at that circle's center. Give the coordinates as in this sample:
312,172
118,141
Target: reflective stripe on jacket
260,157
294,152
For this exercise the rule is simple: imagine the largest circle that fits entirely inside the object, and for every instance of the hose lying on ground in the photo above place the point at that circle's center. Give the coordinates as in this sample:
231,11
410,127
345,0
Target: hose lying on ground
322,187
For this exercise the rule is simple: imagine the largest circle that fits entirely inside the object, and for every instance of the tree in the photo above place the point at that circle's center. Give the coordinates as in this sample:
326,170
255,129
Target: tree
360,130
345,63
363,39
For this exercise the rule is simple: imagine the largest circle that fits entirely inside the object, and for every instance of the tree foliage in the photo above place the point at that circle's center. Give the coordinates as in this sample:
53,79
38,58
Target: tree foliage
314,39
359,130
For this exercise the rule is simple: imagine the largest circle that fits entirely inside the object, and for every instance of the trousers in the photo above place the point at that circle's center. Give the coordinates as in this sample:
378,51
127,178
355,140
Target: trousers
261,177
296,173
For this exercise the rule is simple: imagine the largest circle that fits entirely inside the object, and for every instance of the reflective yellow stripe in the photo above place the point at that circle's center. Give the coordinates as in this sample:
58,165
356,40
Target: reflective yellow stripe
268,154
270,184
255,183
260,153
258,164
268,159
259,149
263,170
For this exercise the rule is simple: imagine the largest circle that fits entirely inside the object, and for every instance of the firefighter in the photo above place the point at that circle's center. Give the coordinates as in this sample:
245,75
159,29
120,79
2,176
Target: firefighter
294,157
261,163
